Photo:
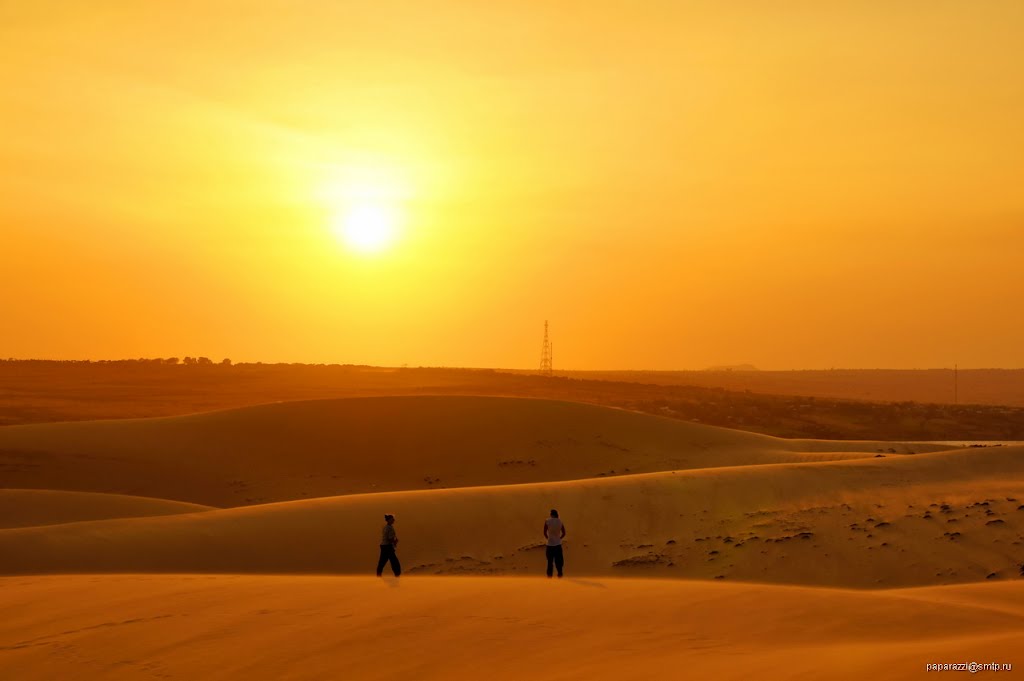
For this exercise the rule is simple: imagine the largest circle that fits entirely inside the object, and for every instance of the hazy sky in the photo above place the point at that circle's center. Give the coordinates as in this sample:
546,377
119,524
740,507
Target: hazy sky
673,184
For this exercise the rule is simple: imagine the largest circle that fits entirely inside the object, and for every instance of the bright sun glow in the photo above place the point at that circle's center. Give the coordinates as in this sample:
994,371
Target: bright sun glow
366,203
368,227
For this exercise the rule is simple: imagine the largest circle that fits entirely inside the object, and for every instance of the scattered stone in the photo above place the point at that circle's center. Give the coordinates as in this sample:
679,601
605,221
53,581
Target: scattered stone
882,524
646,560
997,521
671,541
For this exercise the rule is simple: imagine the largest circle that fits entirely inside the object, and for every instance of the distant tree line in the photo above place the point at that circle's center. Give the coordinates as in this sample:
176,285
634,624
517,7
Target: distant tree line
188,361
206,361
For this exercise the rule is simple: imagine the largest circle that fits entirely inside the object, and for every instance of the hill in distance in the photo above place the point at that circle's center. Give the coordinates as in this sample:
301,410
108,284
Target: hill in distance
900,406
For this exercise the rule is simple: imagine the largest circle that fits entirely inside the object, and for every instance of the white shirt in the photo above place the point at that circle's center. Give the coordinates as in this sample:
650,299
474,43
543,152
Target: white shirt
554,526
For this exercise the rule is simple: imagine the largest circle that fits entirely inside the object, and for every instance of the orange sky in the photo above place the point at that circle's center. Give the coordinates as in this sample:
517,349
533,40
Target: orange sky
672,184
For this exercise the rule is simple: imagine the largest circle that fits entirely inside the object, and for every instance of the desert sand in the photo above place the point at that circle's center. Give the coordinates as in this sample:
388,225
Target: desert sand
292,450
273,627
49,391
30,507
237,544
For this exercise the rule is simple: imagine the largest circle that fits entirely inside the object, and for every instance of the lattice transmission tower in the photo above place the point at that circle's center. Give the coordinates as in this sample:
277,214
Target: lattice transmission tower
546,352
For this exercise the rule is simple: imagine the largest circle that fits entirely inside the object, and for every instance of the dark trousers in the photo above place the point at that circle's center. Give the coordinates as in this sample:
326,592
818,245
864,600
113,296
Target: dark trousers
554,554
387,554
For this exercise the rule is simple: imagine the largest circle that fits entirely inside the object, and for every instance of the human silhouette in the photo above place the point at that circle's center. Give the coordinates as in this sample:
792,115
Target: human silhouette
388,544
554,532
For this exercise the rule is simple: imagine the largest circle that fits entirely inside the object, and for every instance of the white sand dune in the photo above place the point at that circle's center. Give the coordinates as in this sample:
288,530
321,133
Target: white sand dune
32,507
265,627
864,523
322,448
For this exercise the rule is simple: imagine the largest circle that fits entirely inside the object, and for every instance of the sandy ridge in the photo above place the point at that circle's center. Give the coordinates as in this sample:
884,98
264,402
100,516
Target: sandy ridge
260,627
34,507
867,523
324,448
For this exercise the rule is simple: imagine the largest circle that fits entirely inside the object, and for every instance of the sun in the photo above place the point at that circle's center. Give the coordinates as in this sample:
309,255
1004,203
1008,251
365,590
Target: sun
368,227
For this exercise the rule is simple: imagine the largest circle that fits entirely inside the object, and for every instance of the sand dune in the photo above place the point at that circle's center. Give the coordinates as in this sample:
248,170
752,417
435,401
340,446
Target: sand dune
897,521
192,627
324,448
25,508
757,520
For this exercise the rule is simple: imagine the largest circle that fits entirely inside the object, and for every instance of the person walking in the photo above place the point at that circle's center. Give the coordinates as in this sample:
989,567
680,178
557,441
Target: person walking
388,544
554,532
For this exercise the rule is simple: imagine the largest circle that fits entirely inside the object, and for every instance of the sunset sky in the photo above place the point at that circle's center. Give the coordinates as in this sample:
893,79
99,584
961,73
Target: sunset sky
672,184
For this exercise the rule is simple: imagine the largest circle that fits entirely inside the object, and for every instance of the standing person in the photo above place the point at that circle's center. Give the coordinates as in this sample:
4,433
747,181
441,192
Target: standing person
388,544
554,532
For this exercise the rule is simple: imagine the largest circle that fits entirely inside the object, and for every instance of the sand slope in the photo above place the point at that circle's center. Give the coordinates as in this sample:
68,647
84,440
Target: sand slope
471,480
230,627
927,519
24,508
324,448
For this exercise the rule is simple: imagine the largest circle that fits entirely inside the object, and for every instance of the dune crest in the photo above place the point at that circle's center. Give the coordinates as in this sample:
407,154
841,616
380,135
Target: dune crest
936,518
297,450
35,507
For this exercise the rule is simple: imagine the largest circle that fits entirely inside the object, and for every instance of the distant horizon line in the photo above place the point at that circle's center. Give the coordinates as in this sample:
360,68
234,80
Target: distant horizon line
723,368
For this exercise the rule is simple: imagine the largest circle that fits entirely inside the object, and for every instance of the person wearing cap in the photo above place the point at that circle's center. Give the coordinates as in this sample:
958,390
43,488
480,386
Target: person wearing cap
554,532
388,543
